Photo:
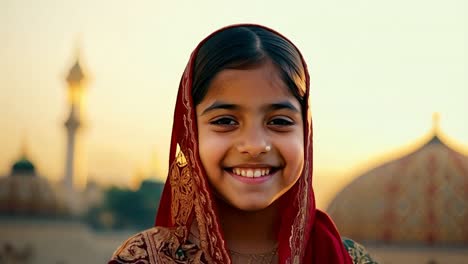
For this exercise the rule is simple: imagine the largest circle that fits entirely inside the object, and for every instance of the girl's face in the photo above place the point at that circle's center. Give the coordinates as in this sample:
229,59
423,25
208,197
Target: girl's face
251,136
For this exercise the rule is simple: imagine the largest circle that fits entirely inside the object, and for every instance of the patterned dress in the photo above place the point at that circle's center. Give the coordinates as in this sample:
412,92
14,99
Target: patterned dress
357,252
160,245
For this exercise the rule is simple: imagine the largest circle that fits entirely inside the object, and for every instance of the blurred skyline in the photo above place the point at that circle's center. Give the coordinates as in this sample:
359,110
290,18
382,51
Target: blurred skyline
378,72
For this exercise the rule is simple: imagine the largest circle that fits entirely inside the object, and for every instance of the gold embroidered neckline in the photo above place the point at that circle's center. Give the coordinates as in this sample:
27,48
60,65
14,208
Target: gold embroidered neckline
259,258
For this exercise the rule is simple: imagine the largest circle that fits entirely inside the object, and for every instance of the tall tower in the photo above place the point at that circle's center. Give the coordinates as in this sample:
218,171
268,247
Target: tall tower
75,175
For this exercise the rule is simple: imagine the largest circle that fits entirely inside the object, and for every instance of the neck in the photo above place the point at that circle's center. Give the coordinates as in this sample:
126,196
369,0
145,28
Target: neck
249,231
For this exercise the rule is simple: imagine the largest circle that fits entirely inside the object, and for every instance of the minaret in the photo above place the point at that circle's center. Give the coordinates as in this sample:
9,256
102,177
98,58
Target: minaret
74,174
436,123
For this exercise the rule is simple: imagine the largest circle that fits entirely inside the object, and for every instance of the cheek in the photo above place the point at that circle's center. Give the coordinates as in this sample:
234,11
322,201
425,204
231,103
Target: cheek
211,148
293,154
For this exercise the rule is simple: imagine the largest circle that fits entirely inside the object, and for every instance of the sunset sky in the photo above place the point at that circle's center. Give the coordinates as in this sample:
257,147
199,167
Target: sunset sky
379,69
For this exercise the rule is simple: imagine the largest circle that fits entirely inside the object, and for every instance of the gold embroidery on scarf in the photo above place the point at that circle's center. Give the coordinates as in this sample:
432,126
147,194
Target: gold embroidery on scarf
182,190
180,157
204,226
159,245
298,228
132,251
204,211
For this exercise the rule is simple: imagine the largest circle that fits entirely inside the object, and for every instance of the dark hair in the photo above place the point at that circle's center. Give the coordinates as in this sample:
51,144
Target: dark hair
244,47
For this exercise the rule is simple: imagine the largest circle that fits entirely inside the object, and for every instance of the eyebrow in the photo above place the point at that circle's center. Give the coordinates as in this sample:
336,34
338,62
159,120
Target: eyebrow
219,105
283,105
274,106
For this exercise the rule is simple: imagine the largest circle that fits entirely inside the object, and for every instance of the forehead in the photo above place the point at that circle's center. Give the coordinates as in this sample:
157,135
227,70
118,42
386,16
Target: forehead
256,84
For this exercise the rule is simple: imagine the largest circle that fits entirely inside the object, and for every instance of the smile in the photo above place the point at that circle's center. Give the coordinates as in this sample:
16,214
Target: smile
255,171
251,172
256,174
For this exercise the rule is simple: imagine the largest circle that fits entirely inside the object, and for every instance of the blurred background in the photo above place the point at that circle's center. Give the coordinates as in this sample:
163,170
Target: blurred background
87,92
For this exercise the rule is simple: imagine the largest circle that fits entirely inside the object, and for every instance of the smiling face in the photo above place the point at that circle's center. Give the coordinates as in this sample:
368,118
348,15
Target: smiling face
251,138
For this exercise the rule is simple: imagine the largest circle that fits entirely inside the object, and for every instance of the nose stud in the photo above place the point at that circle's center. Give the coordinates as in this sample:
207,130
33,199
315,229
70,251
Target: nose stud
254,151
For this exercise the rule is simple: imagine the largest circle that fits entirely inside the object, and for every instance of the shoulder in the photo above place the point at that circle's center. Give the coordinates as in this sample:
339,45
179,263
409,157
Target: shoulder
155,245
358,252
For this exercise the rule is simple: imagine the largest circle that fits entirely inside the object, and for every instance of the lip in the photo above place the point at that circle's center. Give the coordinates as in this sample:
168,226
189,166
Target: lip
253,165
251,180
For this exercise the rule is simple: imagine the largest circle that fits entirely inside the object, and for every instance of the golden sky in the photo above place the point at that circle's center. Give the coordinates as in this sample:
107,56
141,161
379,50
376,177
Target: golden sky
379,69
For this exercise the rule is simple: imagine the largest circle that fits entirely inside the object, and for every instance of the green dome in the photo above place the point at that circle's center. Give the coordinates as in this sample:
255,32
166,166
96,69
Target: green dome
23,166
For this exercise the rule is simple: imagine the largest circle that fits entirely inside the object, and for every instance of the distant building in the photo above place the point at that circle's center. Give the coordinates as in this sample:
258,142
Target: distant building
37,224
25,192
410,210
41,222
75,174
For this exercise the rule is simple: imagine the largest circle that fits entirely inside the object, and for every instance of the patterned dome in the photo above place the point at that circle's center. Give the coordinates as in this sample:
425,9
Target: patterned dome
421,198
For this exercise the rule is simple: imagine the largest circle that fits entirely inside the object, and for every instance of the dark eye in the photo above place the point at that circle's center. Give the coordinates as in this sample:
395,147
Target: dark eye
281,122
224,121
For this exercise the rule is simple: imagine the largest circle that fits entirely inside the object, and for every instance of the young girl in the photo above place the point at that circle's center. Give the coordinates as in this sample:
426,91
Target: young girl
239,188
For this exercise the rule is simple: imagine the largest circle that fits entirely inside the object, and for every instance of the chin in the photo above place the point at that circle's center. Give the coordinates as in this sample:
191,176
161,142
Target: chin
251,206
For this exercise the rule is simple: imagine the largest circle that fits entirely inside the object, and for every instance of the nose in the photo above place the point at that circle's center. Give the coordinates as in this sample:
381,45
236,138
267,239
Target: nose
253,141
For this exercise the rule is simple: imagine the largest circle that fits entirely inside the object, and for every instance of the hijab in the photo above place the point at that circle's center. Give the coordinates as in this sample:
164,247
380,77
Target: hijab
306,234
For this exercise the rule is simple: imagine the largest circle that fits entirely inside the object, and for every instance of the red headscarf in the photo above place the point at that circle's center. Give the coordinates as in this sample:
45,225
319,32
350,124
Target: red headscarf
306,235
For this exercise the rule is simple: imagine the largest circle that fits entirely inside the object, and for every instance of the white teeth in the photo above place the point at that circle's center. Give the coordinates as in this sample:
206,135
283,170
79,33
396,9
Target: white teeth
252,173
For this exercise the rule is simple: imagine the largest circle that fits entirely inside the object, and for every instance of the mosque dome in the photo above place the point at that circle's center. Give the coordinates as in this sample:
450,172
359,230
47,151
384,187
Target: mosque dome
23,166
24,193
420,198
